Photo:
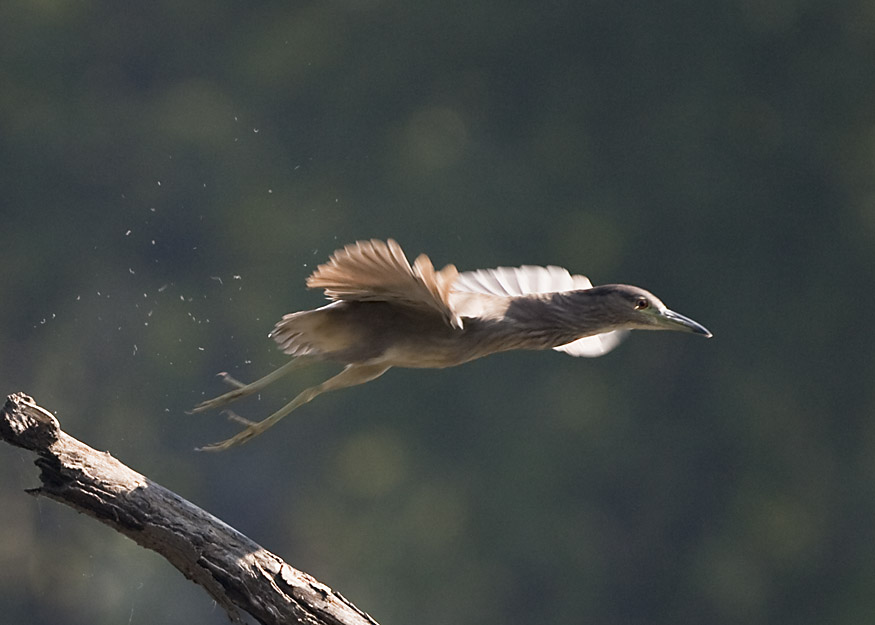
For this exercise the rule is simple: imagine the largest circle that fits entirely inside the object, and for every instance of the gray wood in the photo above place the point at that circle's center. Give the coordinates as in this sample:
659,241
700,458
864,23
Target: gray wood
237,572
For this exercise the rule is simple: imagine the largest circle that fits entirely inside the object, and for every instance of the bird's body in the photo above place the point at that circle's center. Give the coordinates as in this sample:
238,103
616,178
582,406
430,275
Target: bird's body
369,333
387,313
354,332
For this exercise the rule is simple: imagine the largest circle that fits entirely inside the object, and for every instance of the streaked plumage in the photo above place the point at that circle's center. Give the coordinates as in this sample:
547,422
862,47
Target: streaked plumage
386,313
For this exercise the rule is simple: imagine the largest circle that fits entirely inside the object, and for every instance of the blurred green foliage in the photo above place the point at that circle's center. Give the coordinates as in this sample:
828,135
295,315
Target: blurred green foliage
171,173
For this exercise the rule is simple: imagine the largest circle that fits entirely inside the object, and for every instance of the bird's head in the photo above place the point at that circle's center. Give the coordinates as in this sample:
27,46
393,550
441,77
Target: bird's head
632,308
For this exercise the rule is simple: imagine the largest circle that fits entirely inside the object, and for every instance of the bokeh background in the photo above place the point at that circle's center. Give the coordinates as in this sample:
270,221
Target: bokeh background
171,173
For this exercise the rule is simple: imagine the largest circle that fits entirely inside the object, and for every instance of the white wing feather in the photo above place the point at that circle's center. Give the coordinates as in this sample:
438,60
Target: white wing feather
514,281
530,280
594,346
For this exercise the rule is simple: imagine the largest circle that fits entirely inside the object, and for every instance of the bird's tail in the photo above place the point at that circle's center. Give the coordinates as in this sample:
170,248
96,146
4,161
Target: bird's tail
311,333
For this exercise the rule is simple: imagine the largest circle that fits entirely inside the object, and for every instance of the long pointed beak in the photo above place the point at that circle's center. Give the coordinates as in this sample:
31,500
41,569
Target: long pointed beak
670,320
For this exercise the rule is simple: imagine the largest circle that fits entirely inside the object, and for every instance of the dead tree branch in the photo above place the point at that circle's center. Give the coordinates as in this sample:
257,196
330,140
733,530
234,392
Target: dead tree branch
238,573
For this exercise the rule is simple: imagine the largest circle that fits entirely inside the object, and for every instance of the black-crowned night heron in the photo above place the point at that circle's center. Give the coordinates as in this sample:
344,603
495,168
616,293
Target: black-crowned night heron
386,313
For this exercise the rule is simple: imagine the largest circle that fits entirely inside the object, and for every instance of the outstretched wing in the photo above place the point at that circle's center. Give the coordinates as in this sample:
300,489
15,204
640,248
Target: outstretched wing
378,271
525,280
529,280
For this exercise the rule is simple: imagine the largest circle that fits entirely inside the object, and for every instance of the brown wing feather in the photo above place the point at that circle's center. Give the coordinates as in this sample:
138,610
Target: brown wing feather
378,271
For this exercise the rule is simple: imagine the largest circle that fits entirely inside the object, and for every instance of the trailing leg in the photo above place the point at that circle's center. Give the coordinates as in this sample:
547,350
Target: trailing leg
350,376
244,390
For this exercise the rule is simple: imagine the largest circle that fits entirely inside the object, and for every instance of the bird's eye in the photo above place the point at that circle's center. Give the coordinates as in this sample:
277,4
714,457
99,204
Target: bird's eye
642,304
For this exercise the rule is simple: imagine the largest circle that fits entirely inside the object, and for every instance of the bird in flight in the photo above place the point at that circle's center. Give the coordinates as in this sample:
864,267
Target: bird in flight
385,312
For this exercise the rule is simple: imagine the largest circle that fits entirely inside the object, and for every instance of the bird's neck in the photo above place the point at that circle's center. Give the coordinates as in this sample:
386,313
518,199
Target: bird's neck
550,320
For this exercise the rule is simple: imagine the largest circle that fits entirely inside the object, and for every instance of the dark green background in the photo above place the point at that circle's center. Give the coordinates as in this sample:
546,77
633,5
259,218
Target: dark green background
171,172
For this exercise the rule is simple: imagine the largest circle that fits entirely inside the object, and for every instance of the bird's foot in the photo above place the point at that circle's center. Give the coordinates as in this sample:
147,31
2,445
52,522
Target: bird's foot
240,390
221,400
236,418
227,379
251,431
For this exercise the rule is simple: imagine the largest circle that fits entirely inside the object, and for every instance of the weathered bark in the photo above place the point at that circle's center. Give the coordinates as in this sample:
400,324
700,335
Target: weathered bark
238,573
